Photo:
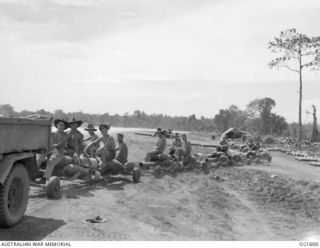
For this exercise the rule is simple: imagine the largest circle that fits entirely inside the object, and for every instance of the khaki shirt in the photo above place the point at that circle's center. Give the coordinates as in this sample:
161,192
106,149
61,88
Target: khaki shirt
59,141
91,139
177,143
75,142
122,154
186,148
109,144
161,145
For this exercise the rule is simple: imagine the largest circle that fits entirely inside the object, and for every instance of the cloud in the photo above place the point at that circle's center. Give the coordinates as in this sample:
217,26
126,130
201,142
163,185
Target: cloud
81,20
199,55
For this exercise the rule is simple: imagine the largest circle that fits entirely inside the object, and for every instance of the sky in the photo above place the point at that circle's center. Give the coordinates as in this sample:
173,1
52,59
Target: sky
176,57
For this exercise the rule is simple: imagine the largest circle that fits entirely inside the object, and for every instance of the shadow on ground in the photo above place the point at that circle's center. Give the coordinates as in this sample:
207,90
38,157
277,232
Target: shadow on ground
79,188
31,228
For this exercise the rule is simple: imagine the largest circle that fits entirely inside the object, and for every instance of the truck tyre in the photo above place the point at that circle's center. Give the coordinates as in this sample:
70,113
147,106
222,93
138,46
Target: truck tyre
14,195
53,188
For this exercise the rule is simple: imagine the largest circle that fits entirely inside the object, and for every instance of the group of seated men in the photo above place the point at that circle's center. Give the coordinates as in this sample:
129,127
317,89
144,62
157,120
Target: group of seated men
179,153
250,150
66,146
69,147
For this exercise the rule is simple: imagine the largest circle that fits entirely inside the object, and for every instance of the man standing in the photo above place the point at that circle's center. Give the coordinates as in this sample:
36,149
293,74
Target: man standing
158,149
75,140
122,150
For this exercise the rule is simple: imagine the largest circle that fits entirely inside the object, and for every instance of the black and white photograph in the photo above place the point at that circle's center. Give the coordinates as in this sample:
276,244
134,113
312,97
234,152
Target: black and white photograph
159,120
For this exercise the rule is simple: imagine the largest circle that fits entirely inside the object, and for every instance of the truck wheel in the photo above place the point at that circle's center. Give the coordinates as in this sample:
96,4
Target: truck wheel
14,195
136,174
53,188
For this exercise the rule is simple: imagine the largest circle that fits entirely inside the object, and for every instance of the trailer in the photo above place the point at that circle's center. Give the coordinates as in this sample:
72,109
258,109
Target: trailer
20,140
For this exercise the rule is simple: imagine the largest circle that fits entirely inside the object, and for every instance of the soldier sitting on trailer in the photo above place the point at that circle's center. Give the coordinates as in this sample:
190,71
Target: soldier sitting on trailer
158,149
75,141
91,129
176,144
122,150
188,160
177,141
223,145
107,153
59,139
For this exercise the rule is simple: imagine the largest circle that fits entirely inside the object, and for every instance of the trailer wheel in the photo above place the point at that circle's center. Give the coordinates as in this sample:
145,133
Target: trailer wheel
158,173
136,174
53,188
14,195
205,168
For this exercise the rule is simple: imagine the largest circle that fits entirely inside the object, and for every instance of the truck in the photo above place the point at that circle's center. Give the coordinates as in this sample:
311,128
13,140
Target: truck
20,140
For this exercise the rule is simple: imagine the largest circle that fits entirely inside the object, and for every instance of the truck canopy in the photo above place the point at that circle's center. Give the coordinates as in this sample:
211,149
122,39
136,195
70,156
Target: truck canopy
24,134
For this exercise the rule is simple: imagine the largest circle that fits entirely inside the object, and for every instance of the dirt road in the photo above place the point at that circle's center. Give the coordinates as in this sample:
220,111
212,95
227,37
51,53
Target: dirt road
288,166
276,202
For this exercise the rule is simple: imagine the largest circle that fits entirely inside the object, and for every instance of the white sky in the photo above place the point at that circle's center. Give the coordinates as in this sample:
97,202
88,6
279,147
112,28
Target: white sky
176,57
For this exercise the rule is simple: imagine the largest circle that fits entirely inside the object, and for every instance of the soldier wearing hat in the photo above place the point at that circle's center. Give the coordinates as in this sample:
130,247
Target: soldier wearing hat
106,153
184,153
176,144
177,141
122,150
59,140
92,137
159,148
75,141
223,145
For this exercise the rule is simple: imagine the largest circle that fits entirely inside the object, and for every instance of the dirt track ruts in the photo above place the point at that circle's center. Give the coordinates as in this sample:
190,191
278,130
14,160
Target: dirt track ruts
241,203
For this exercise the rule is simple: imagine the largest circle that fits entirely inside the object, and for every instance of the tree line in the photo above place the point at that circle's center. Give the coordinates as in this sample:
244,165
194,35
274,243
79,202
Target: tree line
295,52
258,118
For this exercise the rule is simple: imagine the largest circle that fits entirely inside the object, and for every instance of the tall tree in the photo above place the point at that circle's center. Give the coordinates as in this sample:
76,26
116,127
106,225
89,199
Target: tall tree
297,51
262,108
278,124
6,110
315,137
231,117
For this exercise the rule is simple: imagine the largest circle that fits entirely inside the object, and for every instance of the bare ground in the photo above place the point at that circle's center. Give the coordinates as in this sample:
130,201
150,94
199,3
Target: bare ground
276,202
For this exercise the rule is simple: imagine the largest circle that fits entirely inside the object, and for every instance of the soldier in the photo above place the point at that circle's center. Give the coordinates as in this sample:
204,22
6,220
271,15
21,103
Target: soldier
93,149
223,145
177,141
159,148
176,144
75,141
122,150
106,153
59,139
188,160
